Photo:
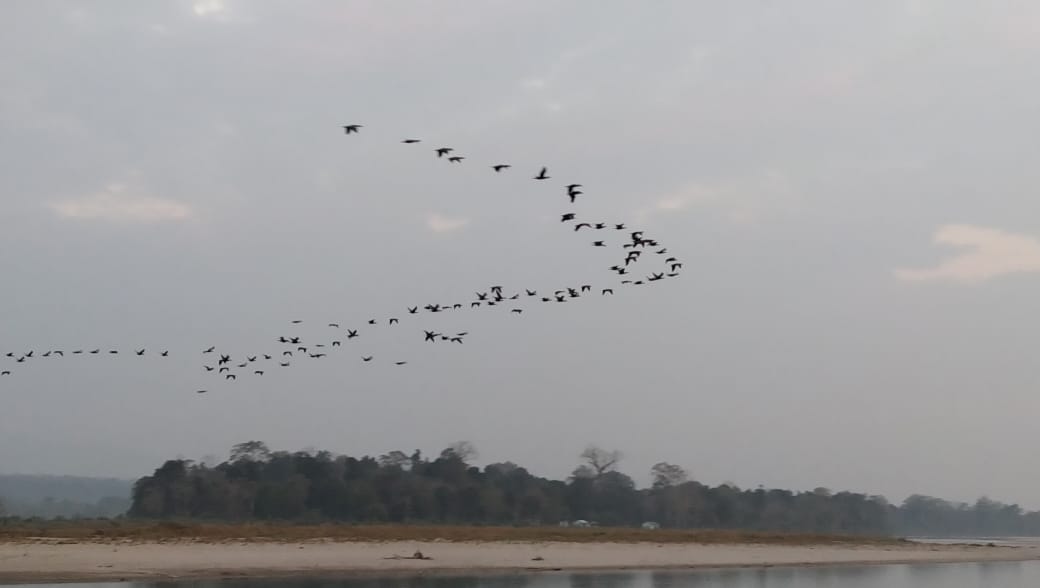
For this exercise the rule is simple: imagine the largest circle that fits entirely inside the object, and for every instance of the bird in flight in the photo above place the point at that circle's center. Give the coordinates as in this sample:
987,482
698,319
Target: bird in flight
400,362
334,325
348,129
210,350
456,158
366,358
501,167
598,244
411,141
543,175
351,334
139,352
442,151
567,217
579,226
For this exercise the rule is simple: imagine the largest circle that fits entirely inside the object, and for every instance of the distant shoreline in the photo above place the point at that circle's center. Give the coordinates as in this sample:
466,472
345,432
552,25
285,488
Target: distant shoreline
55,560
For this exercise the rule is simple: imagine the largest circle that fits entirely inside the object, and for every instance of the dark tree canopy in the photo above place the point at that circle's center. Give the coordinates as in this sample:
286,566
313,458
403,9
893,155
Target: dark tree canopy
398,487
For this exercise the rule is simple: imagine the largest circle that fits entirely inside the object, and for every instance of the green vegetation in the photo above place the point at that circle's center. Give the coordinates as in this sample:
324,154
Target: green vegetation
305,495
124,530
400,488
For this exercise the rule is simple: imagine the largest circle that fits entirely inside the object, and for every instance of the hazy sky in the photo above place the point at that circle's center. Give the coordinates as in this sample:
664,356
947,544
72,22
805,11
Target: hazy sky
851,186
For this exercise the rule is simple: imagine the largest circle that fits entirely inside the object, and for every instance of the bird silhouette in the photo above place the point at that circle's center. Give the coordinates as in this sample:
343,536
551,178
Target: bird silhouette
598,244
393,321
543,175
259,372
229,376
351,128
411,141
413,309
351,334
400,362
366,358
580,226
139,352
334,325
164,353
442,151
567,217
456,158
607,291
210,350
501,167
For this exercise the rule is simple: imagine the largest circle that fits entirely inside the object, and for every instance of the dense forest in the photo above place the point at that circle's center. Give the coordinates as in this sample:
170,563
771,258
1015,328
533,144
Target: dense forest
398,487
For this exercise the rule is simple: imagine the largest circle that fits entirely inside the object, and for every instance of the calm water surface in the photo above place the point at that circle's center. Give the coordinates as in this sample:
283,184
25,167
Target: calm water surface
980,575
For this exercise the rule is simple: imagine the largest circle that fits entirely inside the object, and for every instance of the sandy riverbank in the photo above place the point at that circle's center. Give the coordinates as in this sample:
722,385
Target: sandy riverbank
54,561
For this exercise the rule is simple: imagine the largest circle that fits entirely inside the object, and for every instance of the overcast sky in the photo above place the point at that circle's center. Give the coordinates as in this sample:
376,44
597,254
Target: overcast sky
851,186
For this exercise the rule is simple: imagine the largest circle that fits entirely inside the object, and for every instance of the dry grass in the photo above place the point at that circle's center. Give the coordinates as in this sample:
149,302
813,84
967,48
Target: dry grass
169,531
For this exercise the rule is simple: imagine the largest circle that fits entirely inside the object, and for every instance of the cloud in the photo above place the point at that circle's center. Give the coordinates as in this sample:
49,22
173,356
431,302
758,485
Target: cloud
991,253
115,204
740,201
443,224
208,8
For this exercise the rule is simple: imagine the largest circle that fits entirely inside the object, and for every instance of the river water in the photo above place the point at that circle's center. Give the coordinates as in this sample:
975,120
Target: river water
976,575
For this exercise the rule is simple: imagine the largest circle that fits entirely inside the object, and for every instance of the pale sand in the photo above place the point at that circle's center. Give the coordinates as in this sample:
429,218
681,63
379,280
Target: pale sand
54,561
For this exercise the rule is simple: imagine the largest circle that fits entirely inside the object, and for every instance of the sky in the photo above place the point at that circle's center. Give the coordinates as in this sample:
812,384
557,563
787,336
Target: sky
849,185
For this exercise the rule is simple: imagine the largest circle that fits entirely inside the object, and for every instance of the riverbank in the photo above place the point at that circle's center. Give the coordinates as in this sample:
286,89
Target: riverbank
57,560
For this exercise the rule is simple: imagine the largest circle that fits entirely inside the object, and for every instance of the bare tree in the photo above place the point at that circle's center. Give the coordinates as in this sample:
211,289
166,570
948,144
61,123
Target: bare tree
463,450
666,474
600,460
395,459
250,450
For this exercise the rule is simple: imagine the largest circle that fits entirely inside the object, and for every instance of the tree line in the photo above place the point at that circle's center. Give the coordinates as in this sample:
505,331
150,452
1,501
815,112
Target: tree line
398,487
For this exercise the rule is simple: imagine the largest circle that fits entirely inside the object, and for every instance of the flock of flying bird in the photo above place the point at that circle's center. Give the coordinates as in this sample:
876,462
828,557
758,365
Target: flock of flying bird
292,348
